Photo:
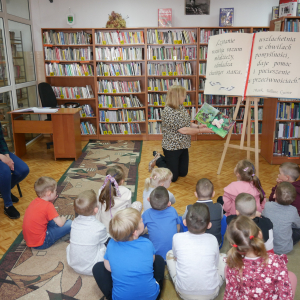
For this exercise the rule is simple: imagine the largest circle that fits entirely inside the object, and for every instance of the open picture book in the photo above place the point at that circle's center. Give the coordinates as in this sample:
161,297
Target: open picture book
214,119
264,64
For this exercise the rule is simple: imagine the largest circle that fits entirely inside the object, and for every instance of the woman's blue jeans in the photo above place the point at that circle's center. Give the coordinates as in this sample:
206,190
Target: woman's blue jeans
9,178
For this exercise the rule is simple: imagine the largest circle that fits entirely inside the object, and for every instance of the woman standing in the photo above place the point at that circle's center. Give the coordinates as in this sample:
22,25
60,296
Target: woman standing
176,130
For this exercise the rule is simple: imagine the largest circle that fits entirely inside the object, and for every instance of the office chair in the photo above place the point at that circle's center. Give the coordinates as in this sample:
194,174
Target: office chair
48,99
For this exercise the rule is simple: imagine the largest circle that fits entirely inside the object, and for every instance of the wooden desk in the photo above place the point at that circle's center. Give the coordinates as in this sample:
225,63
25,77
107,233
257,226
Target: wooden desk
64,125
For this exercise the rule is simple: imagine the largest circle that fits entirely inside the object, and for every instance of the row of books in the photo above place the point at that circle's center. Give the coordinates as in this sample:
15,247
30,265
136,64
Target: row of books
286,148
161,99
192,112
118,69
164,84
291,25
65,92
154,128
86,111
202,83
106,101
202,68
122,115
67,38
129,128
206,33
169,69
287,130
108,86
154,113
230,110
171,36
119,53
221,100
238,127
68,69
119,37
68,54
203,52
288,111
87,128
171,53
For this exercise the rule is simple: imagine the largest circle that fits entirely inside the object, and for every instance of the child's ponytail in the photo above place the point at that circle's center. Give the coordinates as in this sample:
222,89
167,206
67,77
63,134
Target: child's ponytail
158,176
246,171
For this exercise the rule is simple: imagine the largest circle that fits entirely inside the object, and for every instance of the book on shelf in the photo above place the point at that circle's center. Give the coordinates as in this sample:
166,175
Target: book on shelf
55,69
169,68
288,8
203,52
155,36
226,17
275,12
214,119
264,64
205,34
172,53
86,111
222,100
164,84
87,128
287,130
73,92
165,17
119,53
105,101
154,128
288,111
129,128
154,113
121,115
202,68
109,86
68,54
119,69
67,38
291,25
286,148
37,110
119,37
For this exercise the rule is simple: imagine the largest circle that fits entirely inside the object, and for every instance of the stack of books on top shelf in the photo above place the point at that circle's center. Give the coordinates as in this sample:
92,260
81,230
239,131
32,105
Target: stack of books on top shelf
119,53
171,37
154,128
106,86
129,128
69,69
164,84
122,115
169,69
105,101
118,69
86,111
288,111
68,54
119,37
87,128
171,53
65,38
73,92
286,148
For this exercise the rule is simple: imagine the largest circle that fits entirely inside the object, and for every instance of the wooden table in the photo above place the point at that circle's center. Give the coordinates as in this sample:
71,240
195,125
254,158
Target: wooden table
64,125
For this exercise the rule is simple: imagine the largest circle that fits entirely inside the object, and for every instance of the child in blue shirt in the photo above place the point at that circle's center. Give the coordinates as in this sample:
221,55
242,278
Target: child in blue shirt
161,220
130,269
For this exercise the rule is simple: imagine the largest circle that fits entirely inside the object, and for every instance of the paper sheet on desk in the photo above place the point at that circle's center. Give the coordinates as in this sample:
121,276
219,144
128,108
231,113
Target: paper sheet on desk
38,110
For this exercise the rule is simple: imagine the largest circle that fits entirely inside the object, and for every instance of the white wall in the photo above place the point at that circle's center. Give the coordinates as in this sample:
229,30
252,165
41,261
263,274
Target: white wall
142,13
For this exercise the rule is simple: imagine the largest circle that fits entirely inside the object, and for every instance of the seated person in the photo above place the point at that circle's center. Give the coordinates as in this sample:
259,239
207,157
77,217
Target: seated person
194,263
204,193
161,220
42,226
88,236
245,205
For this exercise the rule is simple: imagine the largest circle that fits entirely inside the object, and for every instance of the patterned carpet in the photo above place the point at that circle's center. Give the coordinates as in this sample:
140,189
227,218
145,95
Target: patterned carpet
27,273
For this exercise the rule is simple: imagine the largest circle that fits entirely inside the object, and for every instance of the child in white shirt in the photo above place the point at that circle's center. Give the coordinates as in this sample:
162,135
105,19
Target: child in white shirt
88,236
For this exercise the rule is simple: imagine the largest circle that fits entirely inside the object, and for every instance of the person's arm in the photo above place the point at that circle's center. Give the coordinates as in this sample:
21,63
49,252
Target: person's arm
192,131
185,213
171,198
271,198
284,287
228,202
60,221
107,265
296,218
7,160
232,286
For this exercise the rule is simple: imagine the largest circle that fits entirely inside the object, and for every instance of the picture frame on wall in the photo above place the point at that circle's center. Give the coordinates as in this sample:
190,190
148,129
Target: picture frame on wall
197,7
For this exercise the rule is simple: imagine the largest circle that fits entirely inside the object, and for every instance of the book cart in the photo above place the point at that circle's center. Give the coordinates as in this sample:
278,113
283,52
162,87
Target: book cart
129,72
276,147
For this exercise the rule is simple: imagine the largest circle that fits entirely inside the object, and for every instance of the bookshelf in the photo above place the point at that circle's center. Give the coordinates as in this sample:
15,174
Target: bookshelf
130,70
280,140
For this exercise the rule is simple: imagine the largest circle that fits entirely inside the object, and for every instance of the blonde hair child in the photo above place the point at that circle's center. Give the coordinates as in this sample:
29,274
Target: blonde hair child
158,177
113,196
248,183
248,258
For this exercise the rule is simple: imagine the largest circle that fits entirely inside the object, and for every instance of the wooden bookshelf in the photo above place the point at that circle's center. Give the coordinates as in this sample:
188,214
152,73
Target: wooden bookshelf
144,95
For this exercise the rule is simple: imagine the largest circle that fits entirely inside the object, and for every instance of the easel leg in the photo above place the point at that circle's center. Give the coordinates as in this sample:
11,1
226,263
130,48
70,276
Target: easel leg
256,136
245,123
249,132
229,136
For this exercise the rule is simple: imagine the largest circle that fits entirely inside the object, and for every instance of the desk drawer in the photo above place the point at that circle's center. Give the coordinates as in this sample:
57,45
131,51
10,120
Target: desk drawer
25,126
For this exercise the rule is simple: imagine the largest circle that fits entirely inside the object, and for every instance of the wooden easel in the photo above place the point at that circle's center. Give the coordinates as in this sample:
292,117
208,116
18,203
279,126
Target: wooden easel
246,124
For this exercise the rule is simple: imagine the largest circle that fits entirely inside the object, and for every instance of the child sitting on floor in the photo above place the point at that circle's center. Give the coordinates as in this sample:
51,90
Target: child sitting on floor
129,261
248,183
289,172
88,236
113,196
42,226
285,218
194,263
161,220
246,206
204,193
251,272
159,177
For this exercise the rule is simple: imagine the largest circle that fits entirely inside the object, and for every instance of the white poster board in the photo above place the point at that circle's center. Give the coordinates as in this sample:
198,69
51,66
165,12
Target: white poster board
274,70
